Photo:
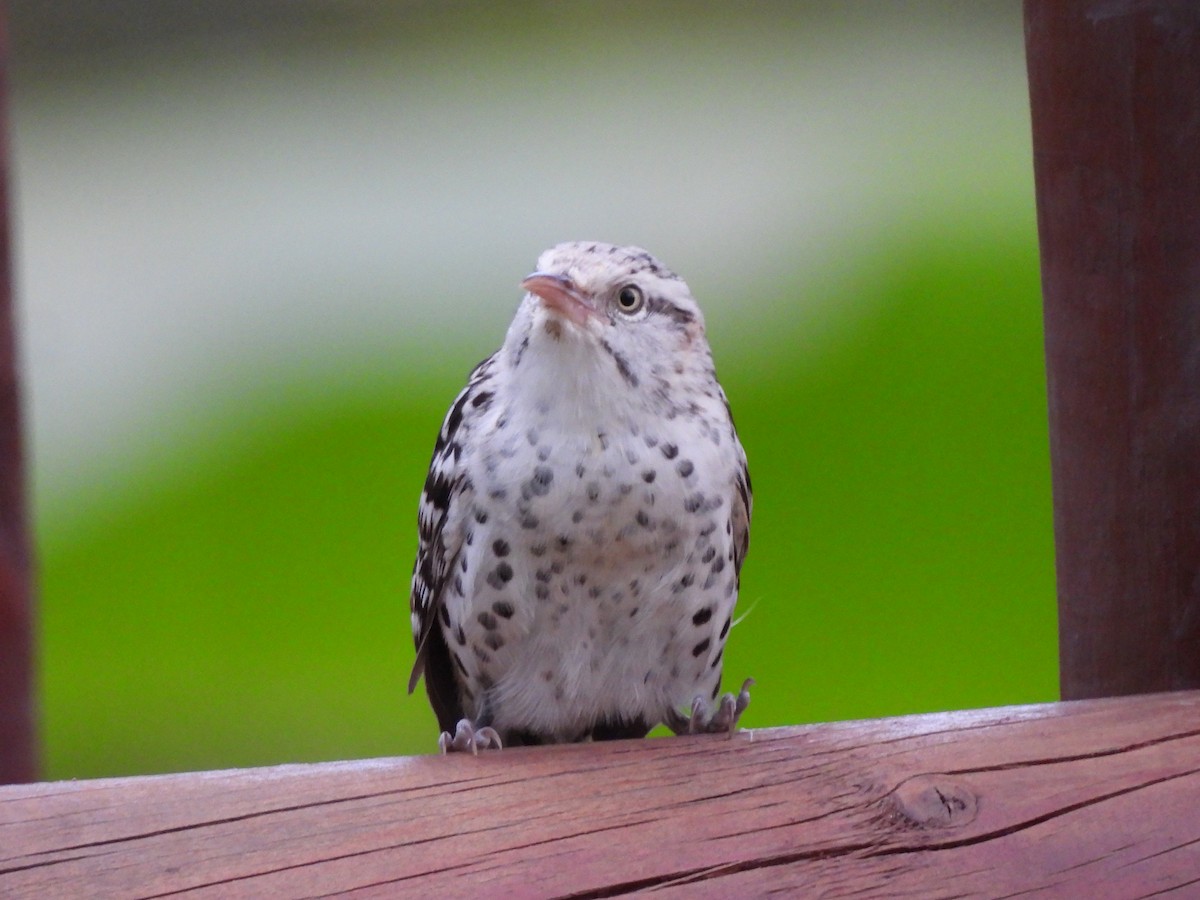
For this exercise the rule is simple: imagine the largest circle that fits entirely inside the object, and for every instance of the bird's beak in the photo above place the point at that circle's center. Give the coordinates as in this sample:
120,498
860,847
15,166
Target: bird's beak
561,295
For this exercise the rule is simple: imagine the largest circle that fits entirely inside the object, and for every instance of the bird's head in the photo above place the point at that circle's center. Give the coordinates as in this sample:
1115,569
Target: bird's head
611,314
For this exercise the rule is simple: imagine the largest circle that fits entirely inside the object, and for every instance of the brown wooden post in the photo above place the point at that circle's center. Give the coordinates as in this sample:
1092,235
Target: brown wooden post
17,718
1115,95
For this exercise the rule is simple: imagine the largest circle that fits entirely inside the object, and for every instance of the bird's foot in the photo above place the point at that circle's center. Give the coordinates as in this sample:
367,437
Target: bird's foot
467,737
706,720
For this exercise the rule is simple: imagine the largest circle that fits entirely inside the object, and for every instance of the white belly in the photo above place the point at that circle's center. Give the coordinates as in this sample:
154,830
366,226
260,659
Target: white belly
614,567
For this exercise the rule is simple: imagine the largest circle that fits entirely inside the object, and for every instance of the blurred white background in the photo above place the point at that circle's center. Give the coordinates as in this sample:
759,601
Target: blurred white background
209,192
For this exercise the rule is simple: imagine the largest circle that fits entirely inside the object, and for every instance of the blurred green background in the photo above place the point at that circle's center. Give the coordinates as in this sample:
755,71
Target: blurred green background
260,246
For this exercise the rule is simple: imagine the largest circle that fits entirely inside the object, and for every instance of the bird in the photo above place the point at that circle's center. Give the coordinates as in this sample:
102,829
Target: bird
586,514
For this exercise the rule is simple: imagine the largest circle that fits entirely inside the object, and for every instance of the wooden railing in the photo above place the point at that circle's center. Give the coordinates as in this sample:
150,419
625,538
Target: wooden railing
1097,798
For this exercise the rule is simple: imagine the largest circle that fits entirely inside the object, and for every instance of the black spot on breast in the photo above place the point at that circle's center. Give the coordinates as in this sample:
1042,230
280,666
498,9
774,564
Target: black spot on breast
725,628
445,615
460,636
540,483
481,517
593,491
503,609
493,640
482,400
685,468
694,502
500,547
702,616
500,576
717,659
542,591
670,451
529,521
649,475
701,647
487,620
718,564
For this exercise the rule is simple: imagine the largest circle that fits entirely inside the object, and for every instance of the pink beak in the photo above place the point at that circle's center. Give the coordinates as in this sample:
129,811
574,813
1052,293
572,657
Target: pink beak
560,294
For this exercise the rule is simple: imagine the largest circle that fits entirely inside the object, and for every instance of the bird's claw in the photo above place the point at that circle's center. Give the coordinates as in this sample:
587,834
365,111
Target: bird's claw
722,720
467,737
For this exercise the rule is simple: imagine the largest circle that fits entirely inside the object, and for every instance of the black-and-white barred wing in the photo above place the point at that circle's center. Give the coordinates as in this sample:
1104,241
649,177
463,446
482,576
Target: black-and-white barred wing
743,503
444,500
743,498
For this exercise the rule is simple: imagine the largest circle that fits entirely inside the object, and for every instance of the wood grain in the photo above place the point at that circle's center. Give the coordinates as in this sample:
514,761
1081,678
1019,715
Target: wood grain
1094,799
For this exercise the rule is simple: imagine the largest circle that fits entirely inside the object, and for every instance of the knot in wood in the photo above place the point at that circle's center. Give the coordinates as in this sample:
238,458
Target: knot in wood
935,801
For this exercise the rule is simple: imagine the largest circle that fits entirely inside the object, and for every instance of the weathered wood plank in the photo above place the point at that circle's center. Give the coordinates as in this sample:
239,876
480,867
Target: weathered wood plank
1100,796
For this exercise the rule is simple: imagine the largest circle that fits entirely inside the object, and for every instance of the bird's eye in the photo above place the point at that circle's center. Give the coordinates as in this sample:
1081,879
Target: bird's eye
630,299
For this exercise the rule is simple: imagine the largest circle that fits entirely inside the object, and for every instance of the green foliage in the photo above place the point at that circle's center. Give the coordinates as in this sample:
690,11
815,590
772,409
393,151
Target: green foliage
252,608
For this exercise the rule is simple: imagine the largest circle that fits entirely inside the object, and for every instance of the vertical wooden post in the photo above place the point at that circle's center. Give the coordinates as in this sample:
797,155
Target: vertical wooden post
17,718
1115,96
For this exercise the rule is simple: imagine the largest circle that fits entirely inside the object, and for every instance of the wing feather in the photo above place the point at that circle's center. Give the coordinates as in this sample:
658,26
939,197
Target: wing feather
445,502
742,505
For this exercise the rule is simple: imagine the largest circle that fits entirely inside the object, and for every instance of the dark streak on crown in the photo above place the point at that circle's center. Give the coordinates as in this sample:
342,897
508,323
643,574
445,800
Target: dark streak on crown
641,261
